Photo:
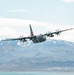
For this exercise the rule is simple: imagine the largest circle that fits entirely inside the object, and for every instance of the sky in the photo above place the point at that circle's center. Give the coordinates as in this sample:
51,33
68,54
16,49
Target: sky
44,15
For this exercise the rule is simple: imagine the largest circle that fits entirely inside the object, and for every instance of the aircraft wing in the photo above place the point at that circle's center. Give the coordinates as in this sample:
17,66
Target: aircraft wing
51,34
21,39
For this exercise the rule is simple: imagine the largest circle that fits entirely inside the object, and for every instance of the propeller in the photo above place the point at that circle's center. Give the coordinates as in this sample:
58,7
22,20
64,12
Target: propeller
49,34
21,36
22,39
57,32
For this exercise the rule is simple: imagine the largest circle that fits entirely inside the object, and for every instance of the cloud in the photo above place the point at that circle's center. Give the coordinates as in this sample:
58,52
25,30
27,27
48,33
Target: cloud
19,22
19,10
68,1
7,32
11,27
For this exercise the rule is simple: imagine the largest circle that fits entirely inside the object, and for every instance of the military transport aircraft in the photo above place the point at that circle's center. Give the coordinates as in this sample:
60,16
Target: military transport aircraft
37,38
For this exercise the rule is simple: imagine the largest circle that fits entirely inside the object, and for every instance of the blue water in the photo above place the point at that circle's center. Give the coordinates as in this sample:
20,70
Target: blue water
23,73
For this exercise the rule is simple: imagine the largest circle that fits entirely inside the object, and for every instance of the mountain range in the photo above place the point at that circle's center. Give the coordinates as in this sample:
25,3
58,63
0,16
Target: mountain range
51,55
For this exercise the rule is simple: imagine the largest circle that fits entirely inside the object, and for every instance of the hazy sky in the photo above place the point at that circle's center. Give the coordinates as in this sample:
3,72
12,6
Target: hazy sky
37,12
53,11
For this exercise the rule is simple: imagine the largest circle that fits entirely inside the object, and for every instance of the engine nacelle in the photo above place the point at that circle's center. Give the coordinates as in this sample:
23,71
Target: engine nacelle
23,40
51,35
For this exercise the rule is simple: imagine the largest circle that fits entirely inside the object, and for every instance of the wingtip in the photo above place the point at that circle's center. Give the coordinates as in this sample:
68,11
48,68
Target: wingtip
72,28
3,40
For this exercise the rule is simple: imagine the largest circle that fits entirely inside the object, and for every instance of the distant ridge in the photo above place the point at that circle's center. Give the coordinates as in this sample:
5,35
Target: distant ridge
28,56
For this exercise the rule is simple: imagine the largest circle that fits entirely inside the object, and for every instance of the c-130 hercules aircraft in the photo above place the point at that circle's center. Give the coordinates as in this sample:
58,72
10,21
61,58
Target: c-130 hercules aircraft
37,38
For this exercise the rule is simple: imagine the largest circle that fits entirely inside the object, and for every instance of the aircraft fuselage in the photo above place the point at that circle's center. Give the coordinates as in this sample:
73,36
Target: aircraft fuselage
39,38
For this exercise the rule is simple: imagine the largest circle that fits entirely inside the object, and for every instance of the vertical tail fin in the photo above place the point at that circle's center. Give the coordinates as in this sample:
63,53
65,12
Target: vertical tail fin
31,31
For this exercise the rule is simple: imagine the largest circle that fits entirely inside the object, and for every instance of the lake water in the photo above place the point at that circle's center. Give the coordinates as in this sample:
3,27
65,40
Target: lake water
23,73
